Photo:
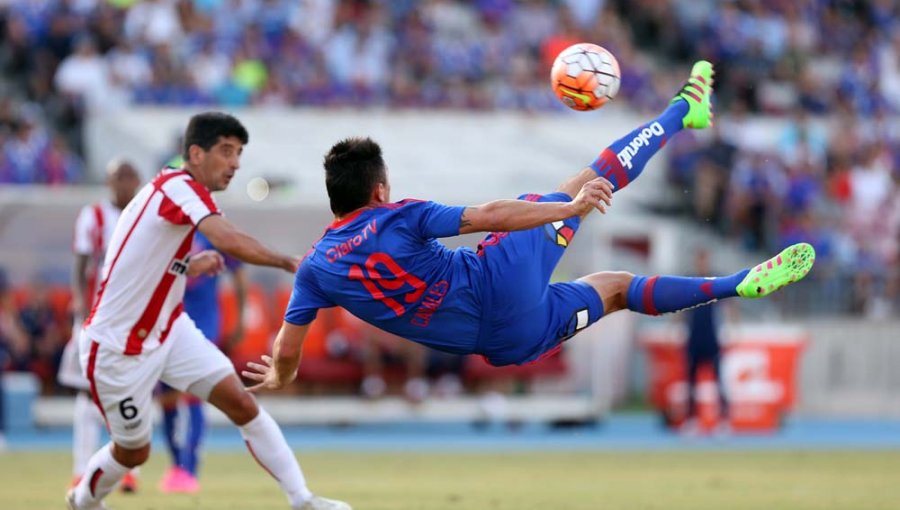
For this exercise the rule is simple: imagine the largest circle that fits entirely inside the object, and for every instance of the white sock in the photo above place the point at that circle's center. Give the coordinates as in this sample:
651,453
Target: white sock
268,446
86,427
100,477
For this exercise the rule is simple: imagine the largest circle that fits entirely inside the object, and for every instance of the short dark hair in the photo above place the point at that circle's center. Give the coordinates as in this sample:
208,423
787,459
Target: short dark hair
353,167
205,129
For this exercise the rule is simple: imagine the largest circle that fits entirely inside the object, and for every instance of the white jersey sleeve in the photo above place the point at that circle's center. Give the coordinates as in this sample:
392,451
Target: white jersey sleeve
187,201
85,232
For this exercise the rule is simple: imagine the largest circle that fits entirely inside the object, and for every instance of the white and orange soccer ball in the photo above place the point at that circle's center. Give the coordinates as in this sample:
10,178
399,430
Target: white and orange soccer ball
585,76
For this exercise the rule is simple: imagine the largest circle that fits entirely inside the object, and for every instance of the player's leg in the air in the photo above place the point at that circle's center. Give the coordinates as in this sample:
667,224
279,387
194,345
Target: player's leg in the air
624,160
567,308
521,263
654,295
573,306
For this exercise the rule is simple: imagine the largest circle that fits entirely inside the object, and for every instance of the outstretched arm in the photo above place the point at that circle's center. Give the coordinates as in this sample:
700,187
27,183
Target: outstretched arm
231,240
276,373
511,215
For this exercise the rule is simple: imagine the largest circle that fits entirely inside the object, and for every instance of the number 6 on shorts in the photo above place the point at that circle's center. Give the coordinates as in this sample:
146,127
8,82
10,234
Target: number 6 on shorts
127,410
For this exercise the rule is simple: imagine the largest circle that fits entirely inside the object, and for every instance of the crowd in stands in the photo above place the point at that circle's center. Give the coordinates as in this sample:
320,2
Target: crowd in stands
828,173
823,55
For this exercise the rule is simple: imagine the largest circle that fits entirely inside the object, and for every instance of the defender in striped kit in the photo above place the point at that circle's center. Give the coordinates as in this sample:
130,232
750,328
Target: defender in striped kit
93,230
138,334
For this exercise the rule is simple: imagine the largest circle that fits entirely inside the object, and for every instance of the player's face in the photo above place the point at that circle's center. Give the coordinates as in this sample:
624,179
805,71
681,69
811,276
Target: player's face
124,183
217,166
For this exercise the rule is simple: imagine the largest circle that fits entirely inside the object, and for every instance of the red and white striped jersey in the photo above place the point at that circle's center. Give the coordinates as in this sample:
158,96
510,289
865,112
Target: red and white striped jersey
144,273
93,230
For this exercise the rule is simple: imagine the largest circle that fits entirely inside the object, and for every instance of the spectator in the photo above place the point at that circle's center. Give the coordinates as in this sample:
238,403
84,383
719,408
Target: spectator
357,56
22,151
59,164
17,53
129,66
313,20
210,68
46,336
84,76
13,345
153,22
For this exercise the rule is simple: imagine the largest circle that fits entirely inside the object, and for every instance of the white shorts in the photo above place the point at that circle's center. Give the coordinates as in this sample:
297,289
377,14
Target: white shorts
71,373
122,386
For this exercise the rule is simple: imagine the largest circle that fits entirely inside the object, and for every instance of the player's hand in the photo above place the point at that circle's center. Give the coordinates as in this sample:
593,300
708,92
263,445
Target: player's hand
208,262
595,194
264,374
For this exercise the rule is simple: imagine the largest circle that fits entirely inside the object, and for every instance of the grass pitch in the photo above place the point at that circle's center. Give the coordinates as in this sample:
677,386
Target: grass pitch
500,481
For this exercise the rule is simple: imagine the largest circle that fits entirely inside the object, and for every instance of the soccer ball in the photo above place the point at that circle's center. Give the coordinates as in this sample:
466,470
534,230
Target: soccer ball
585,76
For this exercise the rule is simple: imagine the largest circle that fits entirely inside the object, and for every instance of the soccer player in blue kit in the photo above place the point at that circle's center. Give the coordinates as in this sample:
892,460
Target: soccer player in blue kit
201,303
381,260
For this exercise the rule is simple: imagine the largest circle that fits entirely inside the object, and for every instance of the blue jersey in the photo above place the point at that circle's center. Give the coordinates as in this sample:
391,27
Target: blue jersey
201,299
384,265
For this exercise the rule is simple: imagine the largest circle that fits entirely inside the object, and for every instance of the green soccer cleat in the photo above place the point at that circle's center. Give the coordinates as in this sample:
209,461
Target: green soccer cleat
789,266
698,92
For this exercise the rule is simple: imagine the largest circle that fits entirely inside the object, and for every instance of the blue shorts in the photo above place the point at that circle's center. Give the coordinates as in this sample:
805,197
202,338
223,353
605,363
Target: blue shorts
524,315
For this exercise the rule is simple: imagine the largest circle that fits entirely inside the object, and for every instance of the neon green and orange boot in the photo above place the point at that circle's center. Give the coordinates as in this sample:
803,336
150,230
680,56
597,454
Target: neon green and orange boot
788,267
698,92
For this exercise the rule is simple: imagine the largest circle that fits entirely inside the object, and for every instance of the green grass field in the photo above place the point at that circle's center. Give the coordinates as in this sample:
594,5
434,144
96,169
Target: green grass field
498,481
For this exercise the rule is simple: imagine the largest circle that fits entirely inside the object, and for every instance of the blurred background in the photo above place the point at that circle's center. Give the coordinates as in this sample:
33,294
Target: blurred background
806,147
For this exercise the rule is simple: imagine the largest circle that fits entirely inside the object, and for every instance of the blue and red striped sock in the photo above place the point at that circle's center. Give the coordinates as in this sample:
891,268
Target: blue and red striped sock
654,295
624,160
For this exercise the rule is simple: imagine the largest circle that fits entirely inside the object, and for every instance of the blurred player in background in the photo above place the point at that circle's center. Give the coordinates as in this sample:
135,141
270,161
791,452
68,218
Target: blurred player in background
93,231
201,303
703,348
137,333
381,261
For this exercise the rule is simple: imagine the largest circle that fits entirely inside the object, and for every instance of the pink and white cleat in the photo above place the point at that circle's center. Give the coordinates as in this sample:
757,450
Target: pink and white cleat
179,481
